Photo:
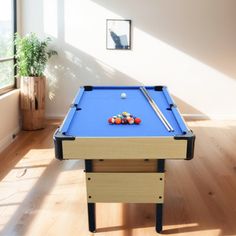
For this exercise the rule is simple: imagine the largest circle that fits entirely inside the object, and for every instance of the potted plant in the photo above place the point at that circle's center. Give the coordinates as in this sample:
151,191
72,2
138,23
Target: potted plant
32,55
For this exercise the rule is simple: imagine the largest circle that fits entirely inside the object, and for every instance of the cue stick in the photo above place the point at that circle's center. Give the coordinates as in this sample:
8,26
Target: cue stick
156,109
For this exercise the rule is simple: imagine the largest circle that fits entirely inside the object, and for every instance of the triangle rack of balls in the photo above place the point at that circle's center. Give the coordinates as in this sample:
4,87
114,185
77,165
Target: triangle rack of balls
124,118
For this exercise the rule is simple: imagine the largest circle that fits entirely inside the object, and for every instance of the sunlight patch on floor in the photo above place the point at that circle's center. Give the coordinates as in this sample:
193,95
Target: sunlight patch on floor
19,182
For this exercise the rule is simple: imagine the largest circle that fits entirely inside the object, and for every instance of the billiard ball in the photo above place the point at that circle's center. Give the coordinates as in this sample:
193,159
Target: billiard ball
111,120
118,121
130,120
123,95
125,114
137,120
124,121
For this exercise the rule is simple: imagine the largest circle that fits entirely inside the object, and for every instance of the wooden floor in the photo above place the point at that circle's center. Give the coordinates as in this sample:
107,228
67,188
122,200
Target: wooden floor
42,196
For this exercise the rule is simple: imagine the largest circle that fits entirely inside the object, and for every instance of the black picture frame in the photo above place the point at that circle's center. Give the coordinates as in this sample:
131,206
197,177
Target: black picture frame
118,34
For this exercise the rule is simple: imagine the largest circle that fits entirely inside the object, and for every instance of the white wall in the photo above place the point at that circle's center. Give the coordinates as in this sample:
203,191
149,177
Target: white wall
9,109
188,45
9,118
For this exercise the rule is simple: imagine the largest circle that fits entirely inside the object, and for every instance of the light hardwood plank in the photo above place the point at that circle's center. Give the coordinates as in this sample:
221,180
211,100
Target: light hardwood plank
42,196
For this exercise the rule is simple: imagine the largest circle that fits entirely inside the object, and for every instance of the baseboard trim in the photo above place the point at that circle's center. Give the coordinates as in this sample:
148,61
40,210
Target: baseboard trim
55,116
187,117
196,117
9,138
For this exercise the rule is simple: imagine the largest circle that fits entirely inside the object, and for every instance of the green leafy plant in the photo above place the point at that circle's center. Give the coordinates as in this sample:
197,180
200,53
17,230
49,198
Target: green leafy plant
32,55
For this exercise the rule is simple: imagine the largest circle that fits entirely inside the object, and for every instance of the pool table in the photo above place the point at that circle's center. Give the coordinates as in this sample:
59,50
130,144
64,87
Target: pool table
123,163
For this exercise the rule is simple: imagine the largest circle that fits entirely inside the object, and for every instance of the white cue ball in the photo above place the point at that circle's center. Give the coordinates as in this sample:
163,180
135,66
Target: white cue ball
123,95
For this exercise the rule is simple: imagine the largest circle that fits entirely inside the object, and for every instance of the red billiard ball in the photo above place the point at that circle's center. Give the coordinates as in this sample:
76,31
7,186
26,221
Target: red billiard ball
111,120
137,121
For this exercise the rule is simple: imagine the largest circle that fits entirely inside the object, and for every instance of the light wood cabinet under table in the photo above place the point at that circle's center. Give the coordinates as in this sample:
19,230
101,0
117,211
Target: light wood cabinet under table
125,187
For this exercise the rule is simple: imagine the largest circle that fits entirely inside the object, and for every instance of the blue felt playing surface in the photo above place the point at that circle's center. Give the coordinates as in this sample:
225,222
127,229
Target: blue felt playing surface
101,103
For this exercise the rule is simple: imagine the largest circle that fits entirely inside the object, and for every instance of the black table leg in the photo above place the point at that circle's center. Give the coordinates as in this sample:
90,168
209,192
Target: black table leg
92,217
91,206
159,209
159,206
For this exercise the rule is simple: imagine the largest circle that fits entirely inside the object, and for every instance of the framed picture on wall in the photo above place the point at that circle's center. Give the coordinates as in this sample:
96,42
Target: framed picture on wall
118,33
